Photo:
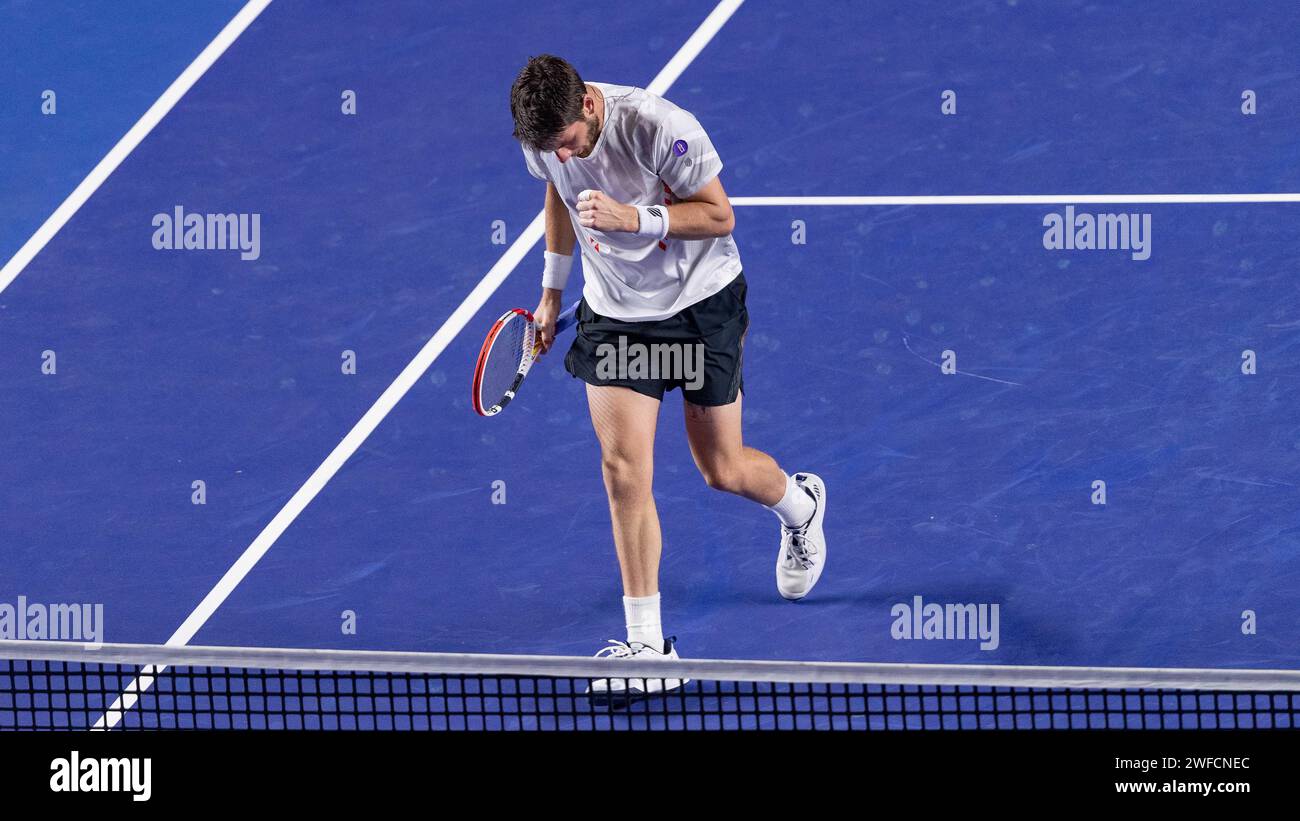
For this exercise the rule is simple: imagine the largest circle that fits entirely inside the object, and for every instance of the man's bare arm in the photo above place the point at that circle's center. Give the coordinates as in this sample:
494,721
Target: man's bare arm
560,238
704,215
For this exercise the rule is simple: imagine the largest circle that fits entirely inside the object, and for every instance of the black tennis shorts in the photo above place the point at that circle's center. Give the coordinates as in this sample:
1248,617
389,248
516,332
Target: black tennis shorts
699,349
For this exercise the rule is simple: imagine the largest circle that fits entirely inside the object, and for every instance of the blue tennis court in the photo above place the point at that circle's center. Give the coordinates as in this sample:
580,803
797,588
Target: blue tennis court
1098,446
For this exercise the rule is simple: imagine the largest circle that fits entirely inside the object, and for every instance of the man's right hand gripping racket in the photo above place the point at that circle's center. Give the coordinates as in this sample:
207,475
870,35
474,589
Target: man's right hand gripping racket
508,352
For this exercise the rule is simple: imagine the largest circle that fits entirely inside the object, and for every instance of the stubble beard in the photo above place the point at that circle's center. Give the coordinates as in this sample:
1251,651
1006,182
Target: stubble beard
593,134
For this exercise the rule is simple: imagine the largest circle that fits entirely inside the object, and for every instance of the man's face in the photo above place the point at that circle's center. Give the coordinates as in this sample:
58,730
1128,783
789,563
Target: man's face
579,138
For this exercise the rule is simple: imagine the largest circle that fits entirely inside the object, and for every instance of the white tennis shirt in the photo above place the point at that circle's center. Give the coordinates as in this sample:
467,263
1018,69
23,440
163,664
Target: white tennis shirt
649,152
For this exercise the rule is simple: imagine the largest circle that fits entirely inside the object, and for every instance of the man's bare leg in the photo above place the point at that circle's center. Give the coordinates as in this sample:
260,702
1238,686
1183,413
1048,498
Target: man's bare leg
725,462
625,423
798,501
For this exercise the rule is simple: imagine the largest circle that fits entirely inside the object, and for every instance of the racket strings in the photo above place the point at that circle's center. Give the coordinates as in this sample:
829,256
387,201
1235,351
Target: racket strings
511,351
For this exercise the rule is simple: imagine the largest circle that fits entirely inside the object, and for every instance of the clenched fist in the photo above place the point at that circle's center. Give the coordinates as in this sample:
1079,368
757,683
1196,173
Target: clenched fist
598,211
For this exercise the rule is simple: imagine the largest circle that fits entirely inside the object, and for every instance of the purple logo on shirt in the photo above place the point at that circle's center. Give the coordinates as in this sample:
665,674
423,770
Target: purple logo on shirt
679,147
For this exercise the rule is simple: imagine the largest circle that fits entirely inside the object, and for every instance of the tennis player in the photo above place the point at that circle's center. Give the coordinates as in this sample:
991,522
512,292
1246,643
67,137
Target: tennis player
633,180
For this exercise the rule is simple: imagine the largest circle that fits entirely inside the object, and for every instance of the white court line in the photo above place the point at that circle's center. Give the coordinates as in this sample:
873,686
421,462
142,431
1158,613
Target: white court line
130,140
337,457
1018,199
389,399
693,46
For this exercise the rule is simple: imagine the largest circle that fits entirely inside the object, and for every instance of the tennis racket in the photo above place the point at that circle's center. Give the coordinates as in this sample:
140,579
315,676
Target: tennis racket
507,354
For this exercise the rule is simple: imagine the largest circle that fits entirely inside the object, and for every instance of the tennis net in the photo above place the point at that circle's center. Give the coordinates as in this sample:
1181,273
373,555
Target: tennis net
59,686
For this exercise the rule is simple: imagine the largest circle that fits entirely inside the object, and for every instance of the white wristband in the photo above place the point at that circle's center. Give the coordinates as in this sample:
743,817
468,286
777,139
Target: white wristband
653,221
555,273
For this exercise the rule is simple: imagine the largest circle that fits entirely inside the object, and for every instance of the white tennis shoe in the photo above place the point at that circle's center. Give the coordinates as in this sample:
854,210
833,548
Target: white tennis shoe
627,689
803,549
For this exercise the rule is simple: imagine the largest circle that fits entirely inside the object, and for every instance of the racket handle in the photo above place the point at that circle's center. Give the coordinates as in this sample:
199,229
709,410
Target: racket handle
567,318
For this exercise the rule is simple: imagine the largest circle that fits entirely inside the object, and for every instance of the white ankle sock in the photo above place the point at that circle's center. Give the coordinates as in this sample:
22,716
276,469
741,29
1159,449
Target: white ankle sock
643,623
796,506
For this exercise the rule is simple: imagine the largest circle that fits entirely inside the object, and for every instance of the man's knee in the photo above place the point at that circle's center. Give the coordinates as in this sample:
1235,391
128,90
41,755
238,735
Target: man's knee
627,475
723,475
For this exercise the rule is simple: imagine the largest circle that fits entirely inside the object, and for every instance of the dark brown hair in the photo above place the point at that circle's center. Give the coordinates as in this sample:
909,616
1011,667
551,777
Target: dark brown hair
545,99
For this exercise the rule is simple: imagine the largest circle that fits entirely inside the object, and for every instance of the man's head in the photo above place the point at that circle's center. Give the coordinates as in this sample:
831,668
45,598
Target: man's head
553,110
